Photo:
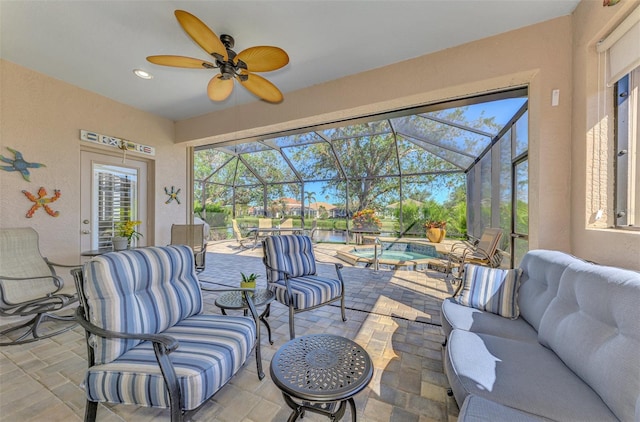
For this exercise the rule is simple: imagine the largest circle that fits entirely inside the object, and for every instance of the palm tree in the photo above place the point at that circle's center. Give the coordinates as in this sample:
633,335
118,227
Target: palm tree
309,196
283,206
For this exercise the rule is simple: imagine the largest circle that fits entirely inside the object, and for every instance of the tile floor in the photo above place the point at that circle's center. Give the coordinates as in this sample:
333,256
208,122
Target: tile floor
394,315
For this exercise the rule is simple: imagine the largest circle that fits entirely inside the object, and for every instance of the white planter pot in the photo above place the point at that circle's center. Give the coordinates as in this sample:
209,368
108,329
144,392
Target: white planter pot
120,243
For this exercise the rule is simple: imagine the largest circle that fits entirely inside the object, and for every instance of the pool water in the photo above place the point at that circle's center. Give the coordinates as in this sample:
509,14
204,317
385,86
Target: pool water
397,255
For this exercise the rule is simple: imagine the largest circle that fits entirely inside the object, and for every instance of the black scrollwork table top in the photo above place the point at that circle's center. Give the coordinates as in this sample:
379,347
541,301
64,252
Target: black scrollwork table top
321,367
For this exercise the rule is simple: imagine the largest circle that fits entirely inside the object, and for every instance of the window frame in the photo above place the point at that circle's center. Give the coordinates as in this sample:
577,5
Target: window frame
627,160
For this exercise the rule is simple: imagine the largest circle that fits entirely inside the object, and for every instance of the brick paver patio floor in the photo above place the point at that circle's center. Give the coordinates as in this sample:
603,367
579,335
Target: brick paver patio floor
394,315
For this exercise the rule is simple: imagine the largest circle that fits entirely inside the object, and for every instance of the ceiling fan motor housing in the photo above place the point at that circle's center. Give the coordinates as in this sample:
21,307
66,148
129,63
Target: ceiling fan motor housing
229,68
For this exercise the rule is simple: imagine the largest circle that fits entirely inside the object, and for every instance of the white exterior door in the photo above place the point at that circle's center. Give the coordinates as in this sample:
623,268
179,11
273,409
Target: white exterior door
111,191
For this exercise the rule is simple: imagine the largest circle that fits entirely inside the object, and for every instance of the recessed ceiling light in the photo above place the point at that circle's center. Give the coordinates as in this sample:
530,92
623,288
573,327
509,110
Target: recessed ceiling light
142,74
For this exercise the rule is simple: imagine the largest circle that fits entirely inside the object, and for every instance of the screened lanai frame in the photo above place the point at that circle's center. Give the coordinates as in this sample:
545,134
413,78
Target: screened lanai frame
264,168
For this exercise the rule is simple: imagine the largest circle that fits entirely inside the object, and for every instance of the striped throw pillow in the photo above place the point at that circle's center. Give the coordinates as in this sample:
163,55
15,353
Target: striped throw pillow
491,289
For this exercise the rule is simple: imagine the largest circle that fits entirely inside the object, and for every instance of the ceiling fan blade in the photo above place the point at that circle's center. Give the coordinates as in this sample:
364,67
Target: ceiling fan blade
263,58
261,87
181,61
201,34
219,89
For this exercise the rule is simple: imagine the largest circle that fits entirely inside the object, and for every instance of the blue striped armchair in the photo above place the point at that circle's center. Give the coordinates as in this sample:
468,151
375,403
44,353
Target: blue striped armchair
291,275
148,342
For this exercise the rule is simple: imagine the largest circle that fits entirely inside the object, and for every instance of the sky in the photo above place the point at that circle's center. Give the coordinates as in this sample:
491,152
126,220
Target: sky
501,110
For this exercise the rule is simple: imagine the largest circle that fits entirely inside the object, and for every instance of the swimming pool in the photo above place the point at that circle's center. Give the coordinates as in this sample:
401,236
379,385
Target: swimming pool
395,255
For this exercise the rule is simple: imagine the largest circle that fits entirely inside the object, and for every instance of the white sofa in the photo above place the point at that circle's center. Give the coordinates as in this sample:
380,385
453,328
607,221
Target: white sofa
573,354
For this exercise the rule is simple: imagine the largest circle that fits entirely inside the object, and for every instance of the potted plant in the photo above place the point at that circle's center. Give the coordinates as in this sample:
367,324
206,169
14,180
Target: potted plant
436,230
124,233
366,221
248,281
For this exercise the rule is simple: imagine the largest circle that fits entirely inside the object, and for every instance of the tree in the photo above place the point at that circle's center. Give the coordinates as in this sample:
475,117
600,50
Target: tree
369,157
456,206
309,196
283,206
273,208
323,213
364,160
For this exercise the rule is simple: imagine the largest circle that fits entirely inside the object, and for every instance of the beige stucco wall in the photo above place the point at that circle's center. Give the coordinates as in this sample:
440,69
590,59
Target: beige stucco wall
538,56
42,117
593,143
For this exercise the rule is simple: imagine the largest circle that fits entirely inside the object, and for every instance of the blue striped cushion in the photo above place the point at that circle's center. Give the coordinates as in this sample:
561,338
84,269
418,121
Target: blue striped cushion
491,289
145,290
291,253
212,349
307,291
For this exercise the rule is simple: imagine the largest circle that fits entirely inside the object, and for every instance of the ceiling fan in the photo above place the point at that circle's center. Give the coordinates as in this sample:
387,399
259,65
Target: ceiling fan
232,66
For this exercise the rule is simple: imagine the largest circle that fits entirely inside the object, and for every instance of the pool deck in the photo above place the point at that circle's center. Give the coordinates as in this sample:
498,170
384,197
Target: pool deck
394,315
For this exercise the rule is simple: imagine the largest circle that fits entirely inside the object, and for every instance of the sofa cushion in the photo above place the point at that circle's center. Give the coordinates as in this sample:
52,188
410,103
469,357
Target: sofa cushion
212,348
593,325
456,316
153,287
523,375
541,271
479,409
493,290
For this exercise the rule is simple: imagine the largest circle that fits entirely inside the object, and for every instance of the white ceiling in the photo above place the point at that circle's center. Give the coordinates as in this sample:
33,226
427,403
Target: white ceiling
97,44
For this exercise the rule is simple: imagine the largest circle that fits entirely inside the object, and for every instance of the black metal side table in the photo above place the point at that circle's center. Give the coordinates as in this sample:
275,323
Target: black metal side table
96,252
235,300
323,372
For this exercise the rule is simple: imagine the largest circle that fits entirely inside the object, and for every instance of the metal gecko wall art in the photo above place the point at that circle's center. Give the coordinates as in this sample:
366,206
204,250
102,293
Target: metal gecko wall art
173,194
42,201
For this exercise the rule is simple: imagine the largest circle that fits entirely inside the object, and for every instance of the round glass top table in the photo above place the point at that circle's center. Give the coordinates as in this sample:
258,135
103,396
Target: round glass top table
323,372
236,300
96,252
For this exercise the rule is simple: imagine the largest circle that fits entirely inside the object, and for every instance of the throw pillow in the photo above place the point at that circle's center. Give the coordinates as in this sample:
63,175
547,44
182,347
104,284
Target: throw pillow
491,289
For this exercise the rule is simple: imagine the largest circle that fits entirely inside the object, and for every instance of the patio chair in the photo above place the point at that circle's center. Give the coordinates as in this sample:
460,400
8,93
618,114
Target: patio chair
264,223
484,252
148,342
287,224
192,235
242,241
206,229
291,275
29,287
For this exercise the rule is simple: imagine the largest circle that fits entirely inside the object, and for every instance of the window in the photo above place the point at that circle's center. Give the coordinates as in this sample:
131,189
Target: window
408,165
498,189
116,190
627,158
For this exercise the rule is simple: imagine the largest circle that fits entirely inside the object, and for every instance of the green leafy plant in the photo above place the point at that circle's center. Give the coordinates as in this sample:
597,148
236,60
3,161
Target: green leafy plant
248,281
127,229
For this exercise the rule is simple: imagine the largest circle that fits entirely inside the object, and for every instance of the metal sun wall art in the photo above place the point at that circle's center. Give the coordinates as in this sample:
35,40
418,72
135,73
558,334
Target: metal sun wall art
42,201
173,194
19,164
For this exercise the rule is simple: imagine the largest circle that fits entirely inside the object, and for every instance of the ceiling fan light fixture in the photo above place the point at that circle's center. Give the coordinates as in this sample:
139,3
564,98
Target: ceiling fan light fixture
142,74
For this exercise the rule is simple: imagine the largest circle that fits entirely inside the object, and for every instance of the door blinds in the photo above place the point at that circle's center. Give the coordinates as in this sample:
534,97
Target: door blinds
116,201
